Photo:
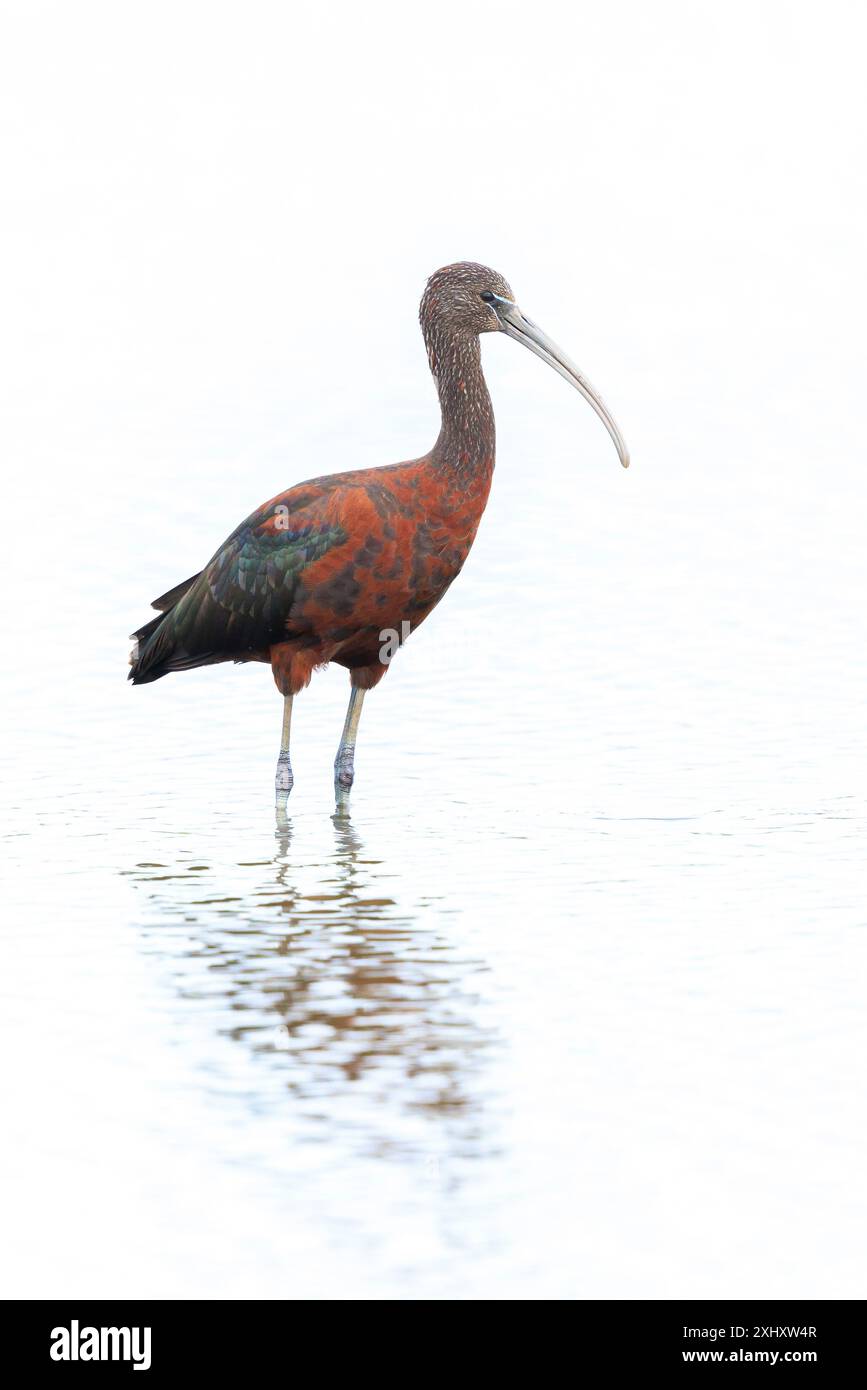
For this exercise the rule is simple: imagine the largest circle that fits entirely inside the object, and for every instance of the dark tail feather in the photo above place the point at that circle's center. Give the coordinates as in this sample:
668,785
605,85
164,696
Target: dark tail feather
171,596
155,652
144,661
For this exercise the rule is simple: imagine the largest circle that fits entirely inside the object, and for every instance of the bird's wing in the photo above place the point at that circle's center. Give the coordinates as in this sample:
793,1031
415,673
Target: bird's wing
253,578
241,601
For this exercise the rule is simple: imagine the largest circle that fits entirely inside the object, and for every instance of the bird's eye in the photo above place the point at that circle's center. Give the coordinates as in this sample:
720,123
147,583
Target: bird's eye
488,296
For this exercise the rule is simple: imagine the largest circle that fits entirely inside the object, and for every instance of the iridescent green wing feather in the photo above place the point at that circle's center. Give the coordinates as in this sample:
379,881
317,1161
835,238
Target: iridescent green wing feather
241,601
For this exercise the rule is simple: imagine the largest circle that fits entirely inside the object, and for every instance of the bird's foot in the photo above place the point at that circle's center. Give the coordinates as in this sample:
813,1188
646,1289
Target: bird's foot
284,781
344,776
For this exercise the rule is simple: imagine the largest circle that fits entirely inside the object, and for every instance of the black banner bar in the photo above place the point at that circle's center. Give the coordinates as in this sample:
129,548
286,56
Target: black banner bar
161,1339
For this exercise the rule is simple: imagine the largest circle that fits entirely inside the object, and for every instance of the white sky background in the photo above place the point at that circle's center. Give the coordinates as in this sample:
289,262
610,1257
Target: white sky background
207,203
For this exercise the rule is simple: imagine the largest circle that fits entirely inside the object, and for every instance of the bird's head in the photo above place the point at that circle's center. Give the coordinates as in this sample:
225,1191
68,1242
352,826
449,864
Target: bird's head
466,299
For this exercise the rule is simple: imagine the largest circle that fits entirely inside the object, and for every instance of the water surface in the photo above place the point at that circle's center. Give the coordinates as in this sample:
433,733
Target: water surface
571,1002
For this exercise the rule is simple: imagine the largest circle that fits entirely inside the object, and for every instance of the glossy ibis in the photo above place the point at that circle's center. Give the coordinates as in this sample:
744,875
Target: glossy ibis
344,568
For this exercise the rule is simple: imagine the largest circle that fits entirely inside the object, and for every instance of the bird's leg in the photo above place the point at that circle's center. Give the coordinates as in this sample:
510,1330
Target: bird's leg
344,763
284,779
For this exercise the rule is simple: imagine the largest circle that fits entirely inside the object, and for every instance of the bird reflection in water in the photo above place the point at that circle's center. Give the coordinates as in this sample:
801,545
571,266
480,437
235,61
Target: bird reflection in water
354,1004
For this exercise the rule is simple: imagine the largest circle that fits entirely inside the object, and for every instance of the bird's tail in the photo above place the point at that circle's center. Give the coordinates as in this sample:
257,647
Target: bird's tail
143,666
155,651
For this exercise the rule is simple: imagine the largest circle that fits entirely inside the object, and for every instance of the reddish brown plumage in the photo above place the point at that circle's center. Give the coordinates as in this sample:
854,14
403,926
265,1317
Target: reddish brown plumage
409,530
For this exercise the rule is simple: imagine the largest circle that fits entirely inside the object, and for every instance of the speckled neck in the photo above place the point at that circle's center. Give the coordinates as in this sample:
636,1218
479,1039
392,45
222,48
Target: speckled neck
466,442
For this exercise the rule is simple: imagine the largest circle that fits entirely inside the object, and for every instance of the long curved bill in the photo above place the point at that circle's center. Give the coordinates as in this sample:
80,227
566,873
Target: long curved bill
523,330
